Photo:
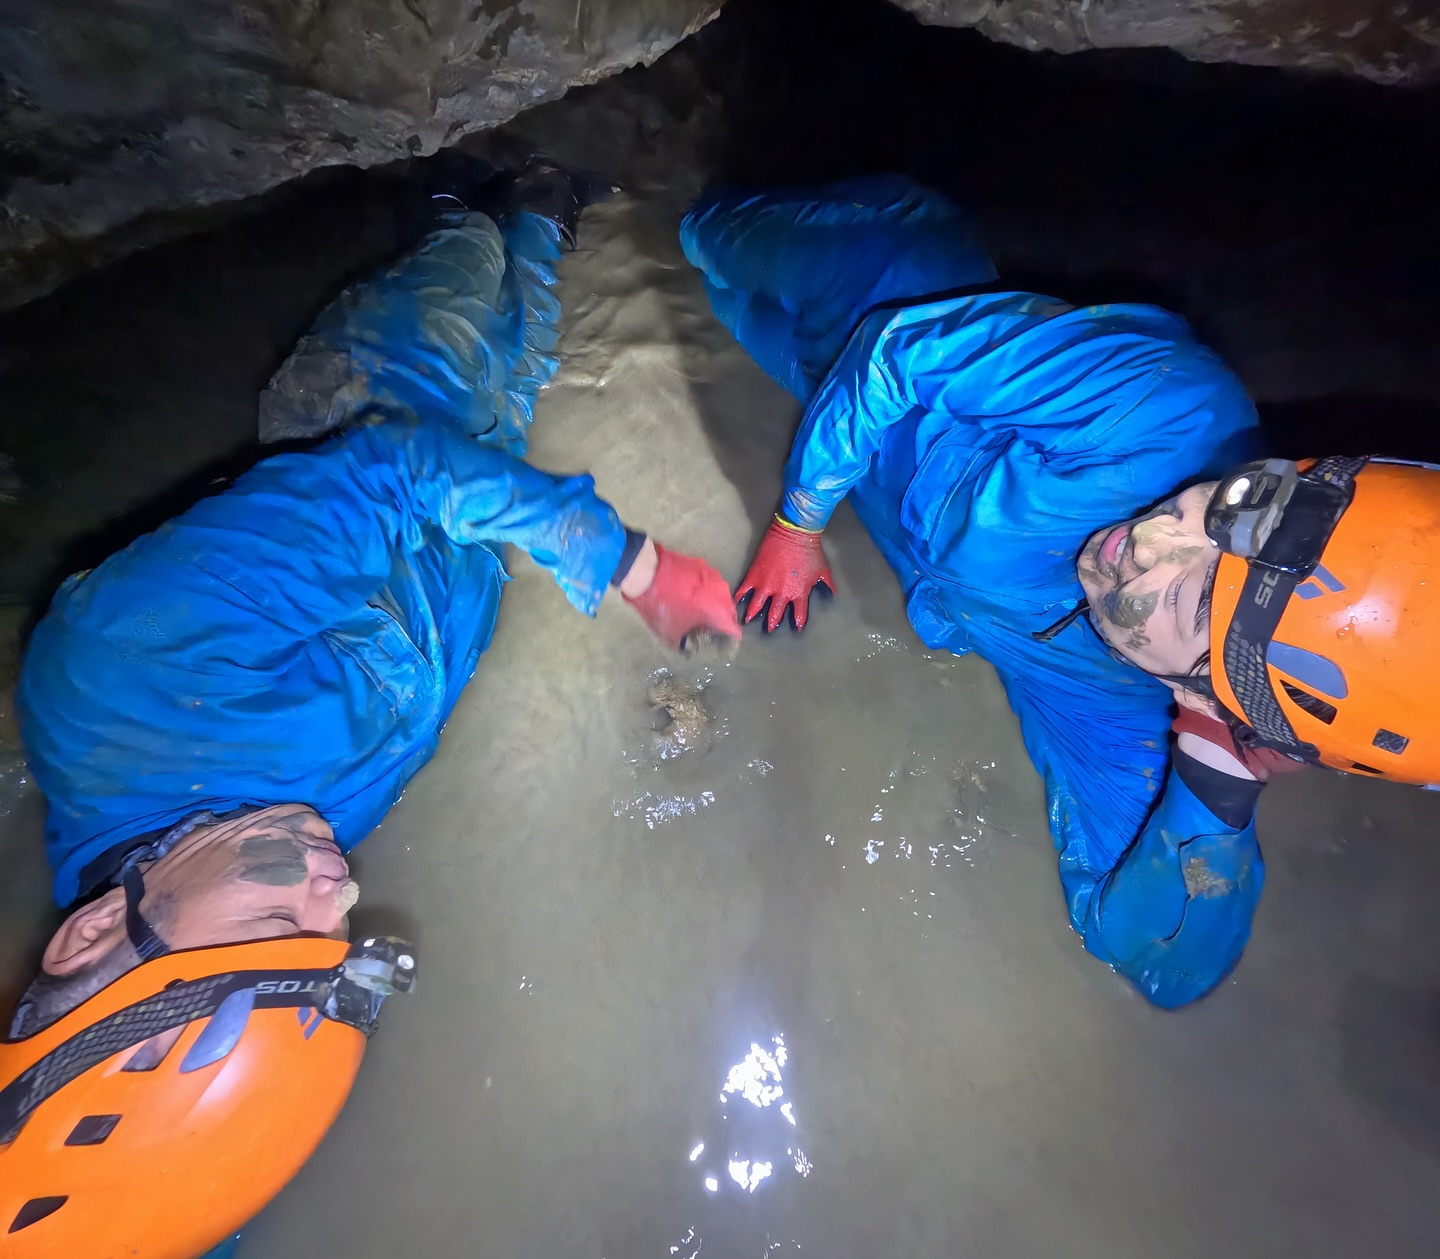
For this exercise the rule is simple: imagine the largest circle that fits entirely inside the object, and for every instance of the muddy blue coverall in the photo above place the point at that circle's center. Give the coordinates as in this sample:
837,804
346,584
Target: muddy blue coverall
303,635
982,437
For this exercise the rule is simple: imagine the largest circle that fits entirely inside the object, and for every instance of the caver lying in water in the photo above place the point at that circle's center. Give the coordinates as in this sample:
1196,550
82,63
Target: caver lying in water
222,710
989,441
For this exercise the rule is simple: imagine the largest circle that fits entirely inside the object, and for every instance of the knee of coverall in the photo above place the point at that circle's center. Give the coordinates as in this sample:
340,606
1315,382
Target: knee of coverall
820,258
461,330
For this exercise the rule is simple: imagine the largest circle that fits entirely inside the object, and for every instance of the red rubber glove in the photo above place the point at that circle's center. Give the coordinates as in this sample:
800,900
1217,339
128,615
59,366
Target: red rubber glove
1263,763
788,566
687,595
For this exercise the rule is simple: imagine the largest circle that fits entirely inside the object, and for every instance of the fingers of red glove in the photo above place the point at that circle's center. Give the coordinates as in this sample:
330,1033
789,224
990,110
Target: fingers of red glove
756,588
750,588
770,604
788,565
686,595
777,613
759,602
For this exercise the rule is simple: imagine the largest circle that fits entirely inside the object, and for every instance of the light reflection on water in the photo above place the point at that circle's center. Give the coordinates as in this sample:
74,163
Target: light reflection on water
657,810
759,1145
931,806
878,644
684,1246
14,781
758,1079
750,1076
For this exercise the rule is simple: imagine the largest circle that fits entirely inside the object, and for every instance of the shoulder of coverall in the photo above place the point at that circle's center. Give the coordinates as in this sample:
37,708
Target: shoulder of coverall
989,323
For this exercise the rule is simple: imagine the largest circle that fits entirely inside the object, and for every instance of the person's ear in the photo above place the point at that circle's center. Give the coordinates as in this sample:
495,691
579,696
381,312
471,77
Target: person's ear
87,935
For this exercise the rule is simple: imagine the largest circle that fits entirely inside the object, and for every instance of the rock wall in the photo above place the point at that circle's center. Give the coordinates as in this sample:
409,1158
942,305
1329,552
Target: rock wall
126,113
1395,41
119,118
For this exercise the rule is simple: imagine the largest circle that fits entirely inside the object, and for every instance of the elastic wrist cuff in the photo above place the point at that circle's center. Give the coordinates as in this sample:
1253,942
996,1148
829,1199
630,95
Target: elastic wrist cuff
633,542
793,527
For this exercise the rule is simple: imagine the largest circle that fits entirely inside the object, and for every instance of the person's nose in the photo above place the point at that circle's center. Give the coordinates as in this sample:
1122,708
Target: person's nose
328,904
1143,553
1146,539
327,870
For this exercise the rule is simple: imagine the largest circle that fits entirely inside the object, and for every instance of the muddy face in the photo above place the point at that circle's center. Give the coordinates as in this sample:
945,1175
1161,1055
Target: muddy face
275,860
1148,584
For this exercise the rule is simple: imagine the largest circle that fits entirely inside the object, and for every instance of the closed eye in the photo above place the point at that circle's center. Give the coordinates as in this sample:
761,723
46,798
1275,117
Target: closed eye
1172,600
1207,591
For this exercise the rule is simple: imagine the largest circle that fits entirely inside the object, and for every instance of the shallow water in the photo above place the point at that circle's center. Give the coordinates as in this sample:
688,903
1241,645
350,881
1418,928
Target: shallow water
812,990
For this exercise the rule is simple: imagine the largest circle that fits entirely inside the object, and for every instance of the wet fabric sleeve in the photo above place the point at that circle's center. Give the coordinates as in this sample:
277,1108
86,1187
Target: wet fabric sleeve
302,541
1155,883
1173,915
1018,365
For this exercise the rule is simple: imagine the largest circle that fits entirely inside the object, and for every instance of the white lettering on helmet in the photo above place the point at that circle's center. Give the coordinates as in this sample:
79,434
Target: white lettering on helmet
285,985
1268,581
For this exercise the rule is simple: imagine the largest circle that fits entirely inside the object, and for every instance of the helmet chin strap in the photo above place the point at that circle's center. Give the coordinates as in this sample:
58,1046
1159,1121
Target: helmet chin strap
1064,623
143,937
1199,683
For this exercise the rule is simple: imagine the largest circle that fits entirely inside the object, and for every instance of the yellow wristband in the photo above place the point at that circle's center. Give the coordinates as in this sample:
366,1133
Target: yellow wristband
794,528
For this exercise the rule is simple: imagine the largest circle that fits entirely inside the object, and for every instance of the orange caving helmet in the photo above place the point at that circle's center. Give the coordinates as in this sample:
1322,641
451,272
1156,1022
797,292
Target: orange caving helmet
1325,617
159,1116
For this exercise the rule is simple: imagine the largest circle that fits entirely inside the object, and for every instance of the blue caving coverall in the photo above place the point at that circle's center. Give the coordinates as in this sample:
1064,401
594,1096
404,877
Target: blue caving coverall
982,435
302,636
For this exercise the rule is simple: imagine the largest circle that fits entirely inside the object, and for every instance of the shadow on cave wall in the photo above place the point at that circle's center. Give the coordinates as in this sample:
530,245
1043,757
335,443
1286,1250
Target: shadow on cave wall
1287,217
1221,191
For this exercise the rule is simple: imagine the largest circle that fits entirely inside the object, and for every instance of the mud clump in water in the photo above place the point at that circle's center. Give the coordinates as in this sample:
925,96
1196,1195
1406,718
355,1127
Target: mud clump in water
684,724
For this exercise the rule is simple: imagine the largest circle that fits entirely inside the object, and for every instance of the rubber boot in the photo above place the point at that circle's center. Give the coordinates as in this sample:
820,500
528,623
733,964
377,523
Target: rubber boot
558,192
455,180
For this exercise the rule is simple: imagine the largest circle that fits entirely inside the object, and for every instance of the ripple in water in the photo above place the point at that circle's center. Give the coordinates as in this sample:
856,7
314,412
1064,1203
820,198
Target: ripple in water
658,810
